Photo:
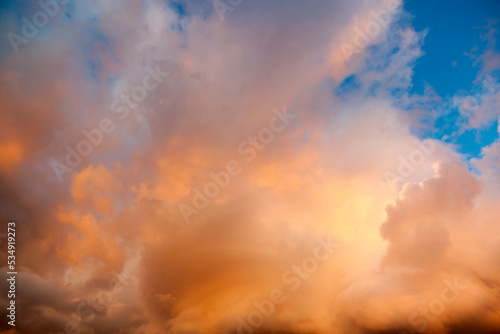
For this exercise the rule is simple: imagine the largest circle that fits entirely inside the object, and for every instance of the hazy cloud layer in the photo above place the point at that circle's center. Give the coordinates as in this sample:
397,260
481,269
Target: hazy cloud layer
103,245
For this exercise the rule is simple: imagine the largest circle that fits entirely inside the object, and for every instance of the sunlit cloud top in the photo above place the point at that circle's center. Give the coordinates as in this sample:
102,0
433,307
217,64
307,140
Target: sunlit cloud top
236,166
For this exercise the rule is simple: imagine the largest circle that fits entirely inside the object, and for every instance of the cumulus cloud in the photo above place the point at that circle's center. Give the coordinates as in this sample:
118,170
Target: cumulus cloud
104,246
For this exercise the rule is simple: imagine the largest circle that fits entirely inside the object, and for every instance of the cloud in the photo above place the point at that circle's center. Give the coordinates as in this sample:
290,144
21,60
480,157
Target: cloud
323,175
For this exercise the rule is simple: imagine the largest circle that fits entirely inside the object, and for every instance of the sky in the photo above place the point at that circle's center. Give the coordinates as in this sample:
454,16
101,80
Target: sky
238,167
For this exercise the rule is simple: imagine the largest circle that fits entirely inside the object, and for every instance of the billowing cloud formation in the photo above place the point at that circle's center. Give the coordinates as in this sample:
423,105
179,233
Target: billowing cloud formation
173,172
